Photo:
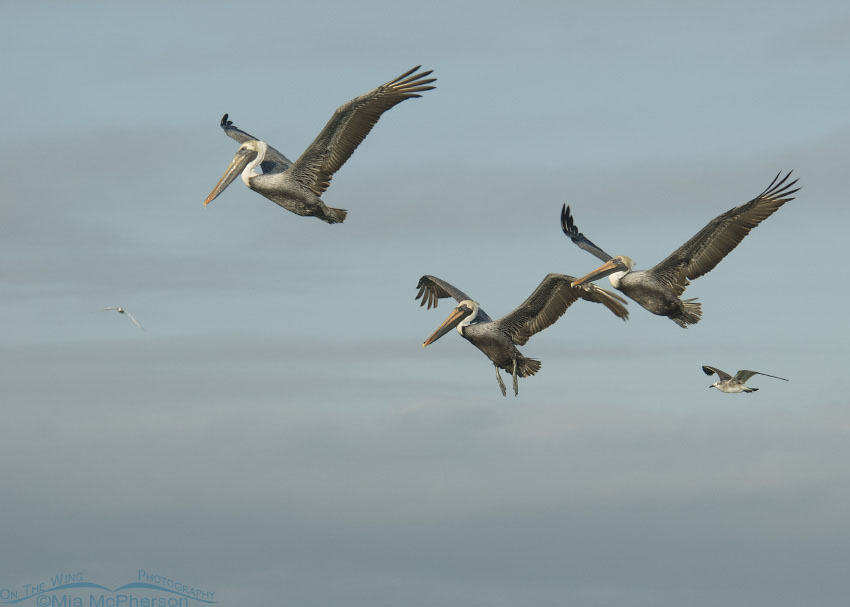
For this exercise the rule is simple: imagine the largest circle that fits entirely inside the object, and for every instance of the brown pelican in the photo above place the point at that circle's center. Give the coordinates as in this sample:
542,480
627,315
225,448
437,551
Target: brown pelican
298,186
727,383
121,310
658,289
498,339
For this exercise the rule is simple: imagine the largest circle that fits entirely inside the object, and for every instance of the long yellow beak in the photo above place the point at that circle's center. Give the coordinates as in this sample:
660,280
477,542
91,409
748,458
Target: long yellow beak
609,267
236,166
457,315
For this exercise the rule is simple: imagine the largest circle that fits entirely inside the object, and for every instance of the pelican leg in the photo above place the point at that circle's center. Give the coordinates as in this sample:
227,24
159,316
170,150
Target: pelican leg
501,383
516,387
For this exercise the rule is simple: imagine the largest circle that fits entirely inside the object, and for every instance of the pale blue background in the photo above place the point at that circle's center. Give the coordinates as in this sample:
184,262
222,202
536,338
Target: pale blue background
279,436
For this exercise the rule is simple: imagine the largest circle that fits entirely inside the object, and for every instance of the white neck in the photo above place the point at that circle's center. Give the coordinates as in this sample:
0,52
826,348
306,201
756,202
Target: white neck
253,166
468,320
615,278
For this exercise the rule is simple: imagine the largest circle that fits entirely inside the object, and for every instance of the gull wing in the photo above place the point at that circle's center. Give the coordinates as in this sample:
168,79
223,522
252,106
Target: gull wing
432,289
571,229
349,126
548,303
133,318
274,162
723,375
701,253
743,375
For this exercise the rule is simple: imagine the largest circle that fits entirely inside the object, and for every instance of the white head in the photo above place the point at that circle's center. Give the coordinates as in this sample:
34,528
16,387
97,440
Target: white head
247,158
467,320
615,268
253,146
625,265
461,316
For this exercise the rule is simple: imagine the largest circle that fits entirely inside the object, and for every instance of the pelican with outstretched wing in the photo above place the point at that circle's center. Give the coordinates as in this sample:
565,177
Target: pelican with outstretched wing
732,385
498,339
297,186
659,289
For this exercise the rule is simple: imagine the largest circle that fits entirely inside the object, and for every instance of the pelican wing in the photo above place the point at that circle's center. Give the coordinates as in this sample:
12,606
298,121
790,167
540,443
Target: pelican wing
349,126
723,375
571,229
743,375
274,162
548,303
433,289
701,253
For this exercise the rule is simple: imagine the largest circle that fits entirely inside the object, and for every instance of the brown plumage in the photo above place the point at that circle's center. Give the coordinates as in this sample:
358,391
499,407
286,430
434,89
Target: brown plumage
498,339
659,289
298,186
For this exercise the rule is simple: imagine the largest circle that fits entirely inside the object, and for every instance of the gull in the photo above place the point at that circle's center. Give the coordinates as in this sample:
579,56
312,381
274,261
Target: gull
735,384
121,310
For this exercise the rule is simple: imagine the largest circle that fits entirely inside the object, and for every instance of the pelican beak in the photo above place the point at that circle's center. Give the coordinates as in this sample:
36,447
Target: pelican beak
609,267
237,165
457,315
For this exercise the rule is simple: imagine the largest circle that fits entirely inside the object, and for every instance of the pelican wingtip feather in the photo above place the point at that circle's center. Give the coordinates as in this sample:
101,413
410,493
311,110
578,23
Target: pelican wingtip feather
778,191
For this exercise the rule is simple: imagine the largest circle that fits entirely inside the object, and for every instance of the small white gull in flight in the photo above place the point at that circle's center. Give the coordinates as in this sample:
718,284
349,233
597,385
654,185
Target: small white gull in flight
121,310
729,384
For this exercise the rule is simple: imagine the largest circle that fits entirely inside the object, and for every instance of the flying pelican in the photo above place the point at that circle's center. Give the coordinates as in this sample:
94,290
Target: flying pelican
297,186
658,289
498,339
727,383
121,310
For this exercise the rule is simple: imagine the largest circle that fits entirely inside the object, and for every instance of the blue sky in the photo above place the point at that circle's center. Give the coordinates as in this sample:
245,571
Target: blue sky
279,435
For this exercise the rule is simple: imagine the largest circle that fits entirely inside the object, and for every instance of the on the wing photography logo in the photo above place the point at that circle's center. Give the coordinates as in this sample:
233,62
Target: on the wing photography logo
74,590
